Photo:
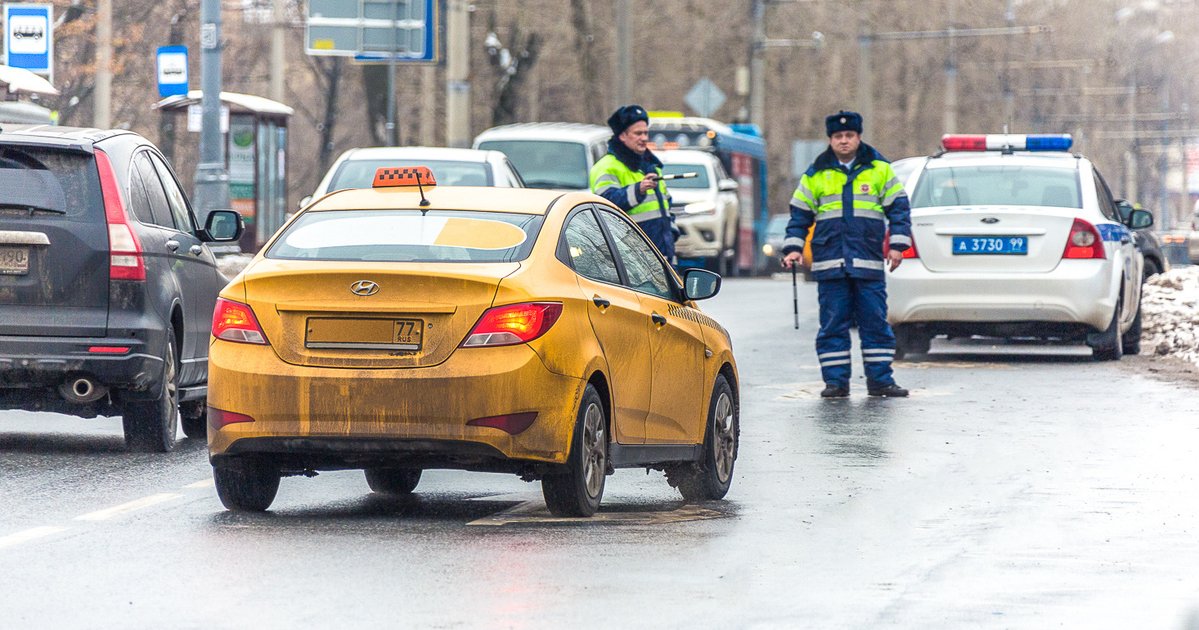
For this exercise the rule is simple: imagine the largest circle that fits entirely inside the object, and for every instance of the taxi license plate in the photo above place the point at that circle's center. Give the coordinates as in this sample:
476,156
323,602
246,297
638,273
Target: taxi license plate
14,261
364,334
967,245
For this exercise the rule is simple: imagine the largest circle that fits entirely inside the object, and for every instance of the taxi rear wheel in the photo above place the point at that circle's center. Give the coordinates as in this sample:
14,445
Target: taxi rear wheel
397,481
577,488
246,486
709,479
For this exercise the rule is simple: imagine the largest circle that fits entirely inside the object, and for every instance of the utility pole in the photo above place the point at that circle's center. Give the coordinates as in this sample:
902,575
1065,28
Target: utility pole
278,58
393,137
212,178
624,53
457,70
102,113
428,107
757,60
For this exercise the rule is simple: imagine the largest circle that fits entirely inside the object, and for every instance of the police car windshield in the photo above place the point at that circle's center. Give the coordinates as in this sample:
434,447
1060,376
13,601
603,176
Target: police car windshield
699,181
545,163
998,185
361,173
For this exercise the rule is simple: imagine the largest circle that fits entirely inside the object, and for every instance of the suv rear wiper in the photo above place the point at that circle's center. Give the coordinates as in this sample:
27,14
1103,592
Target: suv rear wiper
33,209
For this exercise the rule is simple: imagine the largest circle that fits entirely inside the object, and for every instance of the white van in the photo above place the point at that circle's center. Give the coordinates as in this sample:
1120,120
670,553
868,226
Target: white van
556,156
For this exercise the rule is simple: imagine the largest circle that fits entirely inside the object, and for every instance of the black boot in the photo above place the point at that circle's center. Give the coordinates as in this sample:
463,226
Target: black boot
834,391
888,391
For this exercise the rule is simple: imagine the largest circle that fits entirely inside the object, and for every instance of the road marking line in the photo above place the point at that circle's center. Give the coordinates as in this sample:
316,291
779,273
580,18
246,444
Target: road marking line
124,508
27,535
207,483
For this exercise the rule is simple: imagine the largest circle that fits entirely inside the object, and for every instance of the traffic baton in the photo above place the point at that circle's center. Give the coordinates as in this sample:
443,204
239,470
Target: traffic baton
795,292
679,176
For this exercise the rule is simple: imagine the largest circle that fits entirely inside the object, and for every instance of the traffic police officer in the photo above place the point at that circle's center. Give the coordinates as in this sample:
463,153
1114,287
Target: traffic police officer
628,176
851,195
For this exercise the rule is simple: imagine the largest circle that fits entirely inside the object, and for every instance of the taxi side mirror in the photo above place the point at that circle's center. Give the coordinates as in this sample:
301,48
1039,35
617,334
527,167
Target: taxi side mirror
700,284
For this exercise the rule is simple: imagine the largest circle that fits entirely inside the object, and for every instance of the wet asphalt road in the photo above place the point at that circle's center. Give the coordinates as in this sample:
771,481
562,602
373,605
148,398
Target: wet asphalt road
1017,488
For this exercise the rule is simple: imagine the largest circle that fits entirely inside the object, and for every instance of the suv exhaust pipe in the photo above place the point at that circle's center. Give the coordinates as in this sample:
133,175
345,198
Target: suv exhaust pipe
81,390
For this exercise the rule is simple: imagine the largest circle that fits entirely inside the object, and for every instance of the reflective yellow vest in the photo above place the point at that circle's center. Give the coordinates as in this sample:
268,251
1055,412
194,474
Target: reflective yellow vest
610,173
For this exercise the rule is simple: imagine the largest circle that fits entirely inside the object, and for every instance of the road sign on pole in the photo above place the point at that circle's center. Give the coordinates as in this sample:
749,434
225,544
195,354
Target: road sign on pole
373,30
29,38
172,71
704,97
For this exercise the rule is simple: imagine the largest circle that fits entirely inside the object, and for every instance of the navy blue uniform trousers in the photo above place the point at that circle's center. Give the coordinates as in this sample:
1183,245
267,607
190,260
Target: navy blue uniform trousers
842,302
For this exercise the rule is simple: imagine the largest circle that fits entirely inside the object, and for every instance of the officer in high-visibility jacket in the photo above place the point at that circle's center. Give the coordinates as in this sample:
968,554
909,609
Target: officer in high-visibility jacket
628,176
852,196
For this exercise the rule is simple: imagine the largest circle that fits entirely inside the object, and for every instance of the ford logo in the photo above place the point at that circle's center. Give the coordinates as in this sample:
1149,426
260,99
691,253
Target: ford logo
990,220
364,288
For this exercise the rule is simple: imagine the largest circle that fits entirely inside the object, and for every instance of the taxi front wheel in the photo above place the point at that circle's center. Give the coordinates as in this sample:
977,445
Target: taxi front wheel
396,481
247,486
710,478
577,488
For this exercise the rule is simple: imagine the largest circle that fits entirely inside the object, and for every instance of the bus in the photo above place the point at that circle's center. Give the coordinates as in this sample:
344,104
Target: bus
742,151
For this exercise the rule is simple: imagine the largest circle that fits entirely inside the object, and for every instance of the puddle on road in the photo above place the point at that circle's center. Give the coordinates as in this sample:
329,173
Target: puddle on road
535,513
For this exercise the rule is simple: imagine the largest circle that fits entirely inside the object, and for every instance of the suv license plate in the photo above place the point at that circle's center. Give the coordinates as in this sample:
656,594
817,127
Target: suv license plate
966,245
14,261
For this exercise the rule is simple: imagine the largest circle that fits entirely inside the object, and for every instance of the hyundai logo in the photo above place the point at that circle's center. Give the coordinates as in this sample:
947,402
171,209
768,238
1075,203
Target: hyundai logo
990,220
364,288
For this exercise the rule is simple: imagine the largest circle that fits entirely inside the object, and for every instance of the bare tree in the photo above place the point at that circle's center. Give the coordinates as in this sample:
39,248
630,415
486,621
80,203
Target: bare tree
585,45
511,65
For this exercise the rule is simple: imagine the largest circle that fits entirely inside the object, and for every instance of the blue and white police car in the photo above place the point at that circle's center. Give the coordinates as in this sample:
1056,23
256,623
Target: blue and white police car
1016,237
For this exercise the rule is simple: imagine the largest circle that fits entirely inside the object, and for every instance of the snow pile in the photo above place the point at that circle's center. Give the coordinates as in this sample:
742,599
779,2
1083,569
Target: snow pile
232,265
1170,308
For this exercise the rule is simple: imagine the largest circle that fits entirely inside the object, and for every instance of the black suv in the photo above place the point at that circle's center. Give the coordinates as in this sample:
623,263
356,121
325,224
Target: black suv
106,285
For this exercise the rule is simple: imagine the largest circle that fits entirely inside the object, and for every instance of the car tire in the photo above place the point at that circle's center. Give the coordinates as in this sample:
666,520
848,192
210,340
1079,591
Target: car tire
710,478
193,418
909,342
246,486
1152,268
1132,339
393,481
151,426
1109,344
576,489
732,246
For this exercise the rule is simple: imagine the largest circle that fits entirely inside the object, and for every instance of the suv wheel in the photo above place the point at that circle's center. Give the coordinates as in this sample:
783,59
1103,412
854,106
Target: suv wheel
151,426
193,417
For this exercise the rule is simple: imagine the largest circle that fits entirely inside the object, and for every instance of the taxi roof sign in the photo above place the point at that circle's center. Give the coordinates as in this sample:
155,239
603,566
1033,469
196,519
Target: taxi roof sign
396,176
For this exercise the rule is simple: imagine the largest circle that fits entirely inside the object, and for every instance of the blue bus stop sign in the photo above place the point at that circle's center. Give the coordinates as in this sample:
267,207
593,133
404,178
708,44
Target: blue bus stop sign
172,71
28,38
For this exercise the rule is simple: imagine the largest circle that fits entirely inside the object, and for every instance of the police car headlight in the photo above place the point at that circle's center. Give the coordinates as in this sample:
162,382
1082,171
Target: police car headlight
700,207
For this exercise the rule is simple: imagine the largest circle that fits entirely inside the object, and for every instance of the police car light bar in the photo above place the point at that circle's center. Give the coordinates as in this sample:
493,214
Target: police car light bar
1007,141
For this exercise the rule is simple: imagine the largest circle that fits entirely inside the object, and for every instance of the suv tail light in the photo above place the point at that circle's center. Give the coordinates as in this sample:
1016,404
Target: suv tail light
234,321
125,259
1084,242
513,324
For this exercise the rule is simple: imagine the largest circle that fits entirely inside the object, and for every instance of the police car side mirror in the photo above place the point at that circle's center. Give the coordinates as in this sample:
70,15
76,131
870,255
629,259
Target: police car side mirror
700,284
1140,219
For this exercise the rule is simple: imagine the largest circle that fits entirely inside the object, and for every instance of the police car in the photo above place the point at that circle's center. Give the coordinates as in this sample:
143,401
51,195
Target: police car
1016,237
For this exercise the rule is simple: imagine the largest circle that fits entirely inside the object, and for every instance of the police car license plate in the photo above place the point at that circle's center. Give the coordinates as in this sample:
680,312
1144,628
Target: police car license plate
364,334
14,261
966,245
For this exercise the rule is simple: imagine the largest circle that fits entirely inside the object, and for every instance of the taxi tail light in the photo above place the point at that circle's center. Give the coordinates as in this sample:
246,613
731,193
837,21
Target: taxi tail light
1084,242
125,259
511,423
234,321
513,324
218,418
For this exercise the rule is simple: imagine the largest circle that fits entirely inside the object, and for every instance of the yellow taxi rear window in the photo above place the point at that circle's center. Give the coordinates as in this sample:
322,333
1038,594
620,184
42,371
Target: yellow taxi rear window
408,236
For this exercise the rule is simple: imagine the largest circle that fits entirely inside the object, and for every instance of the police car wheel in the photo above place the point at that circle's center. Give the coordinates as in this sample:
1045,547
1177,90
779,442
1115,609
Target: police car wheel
577,488
1132,338
1109,344
710,478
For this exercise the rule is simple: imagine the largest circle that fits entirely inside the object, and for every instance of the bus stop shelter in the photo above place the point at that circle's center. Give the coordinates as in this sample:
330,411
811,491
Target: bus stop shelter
255,133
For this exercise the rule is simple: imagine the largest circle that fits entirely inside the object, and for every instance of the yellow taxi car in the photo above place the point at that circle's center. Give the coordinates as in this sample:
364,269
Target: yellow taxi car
407,327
